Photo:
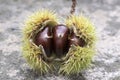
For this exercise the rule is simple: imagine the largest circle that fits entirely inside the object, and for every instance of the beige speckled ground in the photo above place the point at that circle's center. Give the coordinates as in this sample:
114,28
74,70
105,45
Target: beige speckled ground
103,13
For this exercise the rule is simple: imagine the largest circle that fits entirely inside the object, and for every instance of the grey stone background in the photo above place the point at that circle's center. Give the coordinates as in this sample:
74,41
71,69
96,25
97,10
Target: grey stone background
105,14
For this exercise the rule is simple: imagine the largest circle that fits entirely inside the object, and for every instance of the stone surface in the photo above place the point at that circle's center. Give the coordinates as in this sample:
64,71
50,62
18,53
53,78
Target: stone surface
103,13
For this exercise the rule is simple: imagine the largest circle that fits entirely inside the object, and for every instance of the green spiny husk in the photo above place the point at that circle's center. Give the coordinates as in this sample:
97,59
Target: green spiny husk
80,57
33,53
83,28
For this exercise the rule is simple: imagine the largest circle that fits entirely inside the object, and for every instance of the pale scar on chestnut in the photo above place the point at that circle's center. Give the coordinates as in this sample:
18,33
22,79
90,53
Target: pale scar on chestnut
57,40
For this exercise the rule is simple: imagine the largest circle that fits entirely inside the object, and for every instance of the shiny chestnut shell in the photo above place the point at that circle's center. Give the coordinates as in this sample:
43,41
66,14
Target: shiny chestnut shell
44,38
60,39
75,40
57,39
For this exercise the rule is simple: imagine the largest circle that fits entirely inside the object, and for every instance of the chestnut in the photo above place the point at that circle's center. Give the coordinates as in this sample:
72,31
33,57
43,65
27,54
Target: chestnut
75,40
44,38
60,39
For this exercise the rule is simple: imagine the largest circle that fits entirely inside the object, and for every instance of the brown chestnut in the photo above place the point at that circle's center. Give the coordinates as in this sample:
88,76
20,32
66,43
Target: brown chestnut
60,39
75,40
44,38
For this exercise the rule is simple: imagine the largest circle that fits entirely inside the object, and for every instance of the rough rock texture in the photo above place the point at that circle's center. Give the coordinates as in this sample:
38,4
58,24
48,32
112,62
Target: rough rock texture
105,14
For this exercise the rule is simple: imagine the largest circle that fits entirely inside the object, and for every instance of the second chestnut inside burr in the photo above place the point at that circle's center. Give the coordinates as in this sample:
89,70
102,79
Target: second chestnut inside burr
60,39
